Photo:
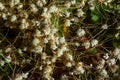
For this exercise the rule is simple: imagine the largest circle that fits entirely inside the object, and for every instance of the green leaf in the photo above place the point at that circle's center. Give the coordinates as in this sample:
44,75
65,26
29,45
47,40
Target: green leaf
118,7
60,34
94,51
95,18
115,44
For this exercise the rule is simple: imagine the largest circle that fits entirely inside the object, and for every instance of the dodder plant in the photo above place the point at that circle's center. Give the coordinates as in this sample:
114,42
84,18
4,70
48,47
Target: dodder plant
59,39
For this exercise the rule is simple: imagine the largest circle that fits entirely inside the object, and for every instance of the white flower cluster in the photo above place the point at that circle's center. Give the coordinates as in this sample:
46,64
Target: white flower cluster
79,68
47,72
13,18
104,73
111,62
34,8
8,50
101,64
94,42
91,4
117,53
14,2
86,44
58,45
7,59
80,32
1,6
80,13
44,19
67,23
104,26
106,56
21,76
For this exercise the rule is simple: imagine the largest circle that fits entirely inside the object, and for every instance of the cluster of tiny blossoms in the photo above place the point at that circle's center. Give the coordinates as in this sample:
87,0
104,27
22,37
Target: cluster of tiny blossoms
48,50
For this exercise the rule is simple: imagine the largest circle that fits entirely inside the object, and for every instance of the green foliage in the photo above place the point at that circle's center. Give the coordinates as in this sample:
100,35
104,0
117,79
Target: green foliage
95,15
93,51
95,18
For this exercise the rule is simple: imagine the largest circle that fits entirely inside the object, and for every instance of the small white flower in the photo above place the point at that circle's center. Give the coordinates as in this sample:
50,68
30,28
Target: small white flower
109,1
43,56
70,57
44,1
57,41
68,4
8,50
53,46
14,2
25,49
117,35
47,17
48,62
8,59
34,8
21,76
117,53
54,59
67,23
39,3
53,8
20,6
118,56
45,9
45,40
38,49
24,24
118,27
64,77
87,44
13,18
64,48
20,51
79,68
40,68
48,69
54,30
68,64
94,42
92,7
4,16
111,62
101,64
104,26
73,2
1,6
47,72
67,14
38,33
80,32
104,73
47,30
59,52
62,40
106,56
2,63
91,65
80,13
35,41
38,23
25,75
77,44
